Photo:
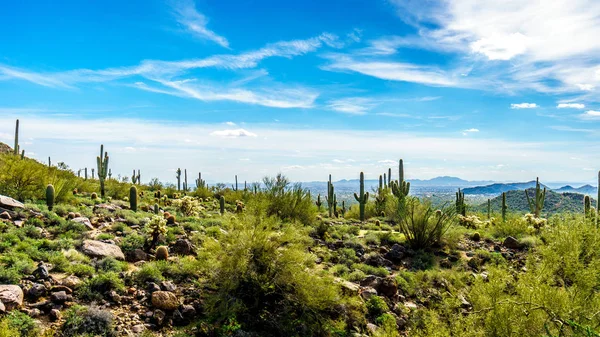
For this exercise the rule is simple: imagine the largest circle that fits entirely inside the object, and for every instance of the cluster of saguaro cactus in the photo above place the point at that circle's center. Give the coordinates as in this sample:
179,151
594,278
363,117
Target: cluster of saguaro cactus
537,204
50,196
199,182
318,202
102,163
461,207
178,173
362,198
400,188
504,206
330,196
133,195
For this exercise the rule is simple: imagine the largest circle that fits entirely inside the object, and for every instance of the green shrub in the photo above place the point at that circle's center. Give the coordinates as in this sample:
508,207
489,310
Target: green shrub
16,323
421,225
376,306
149,272
96,287
87,321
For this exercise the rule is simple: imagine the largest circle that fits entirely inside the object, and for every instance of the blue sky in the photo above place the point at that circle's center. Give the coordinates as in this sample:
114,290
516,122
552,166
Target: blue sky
502,90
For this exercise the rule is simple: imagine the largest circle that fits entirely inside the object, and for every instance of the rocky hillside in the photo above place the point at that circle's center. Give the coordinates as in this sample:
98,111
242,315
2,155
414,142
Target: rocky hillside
5,148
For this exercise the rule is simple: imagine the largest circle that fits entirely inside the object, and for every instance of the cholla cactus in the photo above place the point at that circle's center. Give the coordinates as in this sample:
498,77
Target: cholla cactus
188,206
534,221
155,228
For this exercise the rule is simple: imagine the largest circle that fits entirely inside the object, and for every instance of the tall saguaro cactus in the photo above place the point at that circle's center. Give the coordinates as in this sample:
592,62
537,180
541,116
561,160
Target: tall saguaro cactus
16,148
461,208
400,188
185,184
222,205
85,173
362,198
135,179
504,206
489,209
537,204
598,202
235,187
102,163
329,196
179,179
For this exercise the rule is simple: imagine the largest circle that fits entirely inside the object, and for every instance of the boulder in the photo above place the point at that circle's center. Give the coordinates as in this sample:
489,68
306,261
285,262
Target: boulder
11,296
5,215
165,300
85,221
71,281
100,249
367,292
10,203
136,255
387,287
183,247
511,243
36,291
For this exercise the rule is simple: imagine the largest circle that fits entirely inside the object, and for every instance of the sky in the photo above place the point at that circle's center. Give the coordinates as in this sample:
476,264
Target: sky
483,90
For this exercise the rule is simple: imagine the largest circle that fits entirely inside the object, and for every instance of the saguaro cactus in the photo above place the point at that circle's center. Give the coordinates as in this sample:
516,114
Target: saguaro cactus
235,187
133,195
50,196
318,202
400,188
362,198
50,165
93,177
329,196
504,206
135,179
85,172
179,179
489,209
185,184
461,208
343,208
102,164
537,204
222,205
199,182
598,202
587,206
16,148
389,176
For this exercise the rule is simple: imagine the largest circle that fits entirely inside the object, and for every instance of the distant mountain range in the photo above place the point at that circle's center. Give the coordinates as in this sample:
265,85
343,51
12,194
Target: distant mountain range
437,181
499,188
555,202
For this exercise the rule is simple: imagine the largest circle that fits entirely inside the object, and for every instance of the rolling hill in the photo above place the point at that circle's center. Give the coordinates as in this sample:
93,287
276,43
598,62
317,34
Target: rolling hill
555,202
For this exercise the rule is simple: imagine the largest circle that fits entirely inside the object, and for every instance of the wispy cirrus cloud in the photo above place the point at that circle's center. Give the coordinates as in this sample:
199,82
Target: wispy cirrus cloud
590,115
195,22
524,106
352,105
159,76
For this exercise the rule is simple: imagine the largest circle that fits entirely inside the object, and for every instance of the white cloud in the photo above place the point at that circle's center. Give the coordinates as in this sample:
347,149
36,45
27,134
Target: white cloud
395,71
352,105
468,131
570,106
501,47
230,123
234,133
590,114
195,22
524,106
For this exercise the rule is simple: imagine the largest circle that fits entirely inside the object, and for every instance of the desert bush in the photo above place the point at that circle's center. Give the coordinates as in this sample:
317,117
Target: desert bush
96,287
21,179
262,267
16,323
423,226
87,321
